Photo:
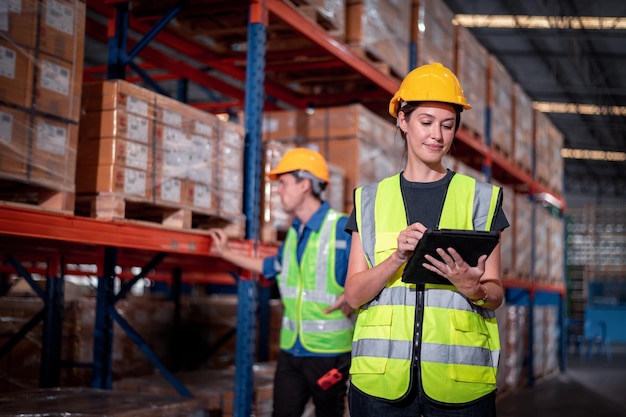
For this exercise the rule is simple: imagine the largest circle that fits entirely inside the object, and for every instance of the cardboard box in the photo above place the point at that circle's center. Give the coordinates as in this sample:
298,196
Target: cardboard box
116,123
115,151
169,190
200,196
282,125
53,158
16,75
58,88
14,138
178,115
20,23
62,30
120,95
113,178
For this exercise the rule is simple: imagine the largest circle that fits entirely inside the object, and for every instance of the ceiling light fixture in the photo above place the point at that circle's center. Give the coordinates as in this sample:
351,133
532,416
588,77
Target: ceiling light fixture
540,22
576,108
593,154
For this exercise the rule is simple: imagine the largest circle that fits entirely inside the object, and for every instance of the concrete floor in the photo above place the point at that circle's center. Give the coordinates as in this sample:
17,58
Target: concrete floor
589,387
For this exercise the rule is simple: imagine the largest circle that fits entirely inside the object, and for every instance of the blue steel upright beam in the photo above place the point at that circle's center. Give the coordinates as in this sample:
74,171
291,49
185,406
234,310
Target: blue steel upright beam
103,327
118,43
50,370
253,154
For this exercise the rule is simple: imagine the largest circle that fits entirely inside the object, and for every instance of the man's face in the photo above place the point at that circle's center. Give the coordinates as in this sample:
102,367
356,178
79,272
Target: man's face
291,192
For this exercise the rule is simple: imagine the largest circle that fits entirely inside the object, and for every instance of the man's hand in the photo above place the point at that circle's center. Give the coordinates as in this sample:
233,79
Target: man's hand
220,240
340,304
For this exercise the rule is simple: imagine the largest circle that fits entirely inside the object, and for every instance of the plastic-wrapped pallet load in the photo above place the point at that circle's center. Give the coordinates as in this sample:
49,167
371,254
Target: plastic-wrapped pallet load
500,105
522,129
379,30
433,32
471,67
41,68
146,156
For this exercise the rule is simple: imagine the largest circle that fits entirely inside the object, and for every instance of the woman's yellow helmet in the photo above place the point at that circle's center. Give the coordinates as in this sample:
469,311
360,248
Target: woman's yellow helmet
430,82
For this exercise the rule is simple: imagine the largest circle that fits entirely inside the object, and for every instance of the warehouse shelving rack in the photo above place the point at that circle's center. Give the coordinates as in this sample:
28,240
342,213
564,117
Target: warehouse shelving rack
62,239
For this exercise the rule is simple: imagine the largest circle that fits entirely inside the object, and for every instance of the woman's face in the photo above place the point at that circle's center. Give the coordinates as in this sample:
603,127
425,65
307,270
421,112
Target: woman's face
429,130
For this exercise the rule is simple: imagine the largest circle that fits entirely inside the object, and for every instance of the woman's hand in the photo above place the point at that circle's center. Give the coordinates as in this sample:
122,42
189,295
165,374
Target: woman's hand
464,277
408,240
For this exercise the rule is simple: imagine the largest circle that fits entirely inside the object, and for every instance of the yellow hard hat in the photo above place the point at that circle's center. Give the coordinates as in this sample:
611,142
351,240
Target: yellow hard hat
301,159
430,82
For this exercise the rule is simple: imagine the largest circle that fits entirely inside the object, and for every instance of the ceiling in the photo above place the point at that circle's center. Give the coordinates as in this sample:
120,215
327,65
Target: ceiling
567,66
304,68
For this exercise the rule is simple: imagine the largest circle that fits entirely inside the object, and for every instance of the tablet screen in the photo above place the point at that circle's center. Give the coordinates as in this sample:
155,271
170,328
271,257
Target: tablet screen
470,244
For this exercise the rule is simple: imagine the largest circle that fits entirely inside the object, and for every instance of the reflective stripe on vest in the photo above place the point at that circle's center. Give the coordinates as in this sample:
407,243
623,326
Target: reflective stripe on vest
307,288
383,345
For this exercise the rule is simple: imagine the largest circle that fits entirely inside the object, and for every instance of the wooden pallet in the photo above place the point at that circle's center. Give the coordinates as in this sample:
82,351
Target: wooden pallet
39,196
374,60
316,15
116,206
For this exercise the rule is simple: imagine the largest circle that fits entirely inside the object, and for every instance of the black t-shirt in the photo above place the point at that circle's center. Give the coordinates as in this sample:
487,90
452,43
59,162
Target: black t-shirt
424,202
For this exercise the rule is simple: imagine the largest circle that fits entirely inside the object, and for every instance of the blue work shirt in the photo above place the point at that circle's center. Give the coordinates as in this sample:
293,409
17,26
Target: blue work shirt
272,265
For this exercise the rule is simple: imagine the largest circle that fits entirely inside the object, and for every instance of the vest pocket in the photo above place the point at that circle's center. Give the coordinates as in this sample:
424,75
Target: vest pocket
471,356
372,341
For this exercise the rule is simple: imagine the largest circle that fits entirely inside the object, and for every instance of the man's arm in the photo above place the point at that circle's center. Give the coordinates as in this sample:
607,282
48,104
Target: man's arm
220,245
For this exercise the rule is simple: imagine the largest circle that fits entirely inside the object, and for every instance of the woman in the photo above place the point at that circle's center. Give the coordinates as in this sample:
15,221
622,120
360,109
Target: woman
424,349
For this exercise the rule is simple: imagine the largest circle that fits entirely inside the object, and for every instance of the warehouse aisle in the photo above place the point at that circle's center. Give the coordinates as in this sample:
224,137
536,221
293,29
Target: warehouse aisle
593,387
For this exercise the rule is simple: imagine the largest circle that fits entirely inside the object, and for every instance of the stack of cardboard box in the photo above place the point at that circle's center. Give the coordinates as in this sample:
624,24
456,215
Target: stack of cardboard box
41,61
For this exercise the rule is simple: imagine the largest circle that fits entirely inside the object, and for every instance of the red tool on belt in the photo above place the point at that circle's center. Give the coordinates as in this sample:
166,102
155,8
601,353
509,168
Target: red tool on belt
331,377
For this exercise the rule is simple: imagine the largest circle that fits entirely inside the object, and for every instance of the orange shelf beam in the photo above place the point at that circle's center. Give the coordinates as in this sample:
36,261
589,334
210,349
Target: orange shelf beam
39,224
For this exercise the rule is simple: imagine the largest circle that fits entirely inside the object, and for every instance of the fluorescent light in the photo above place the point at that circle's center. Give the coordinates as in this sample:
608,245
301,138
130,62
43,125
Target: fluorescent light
540,22
593,154
576,108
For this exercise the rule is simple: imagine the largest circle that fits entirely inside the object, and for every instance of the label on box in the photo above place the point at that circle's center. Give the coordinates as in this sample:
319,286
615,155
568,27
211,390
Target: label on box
232,138
55,77
269,125
134,182
170,190
136,155
204,129
176,152
134,105
51,138
6,127
172,118
202,195
138,129
201,158
14,6
7,62
60,17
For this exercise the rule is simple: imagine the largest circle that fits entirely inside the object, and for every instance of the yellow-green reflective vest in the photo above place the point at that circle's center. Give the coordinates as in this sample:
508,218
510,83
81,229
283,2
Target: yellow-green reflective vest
460,346
309,287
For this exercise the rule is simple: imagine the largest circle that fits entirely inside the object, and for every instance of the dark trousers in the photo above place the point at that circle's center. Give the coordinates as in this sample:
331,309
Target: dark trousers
362,405
295,383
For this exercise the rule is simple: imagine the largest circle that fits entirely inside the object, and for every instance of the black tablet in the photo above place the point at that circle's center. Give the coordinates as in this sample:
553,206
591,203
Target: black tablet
470,244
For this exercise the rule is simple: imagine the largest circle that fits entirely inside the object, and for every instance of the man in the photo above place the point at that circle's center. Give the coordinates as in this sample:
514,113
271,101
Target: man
310,269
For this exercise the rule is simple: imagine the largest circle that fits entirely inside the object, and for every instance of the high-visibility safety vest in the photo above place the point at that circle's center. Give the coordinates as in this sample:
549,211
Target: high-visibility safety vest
460,346
309,287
